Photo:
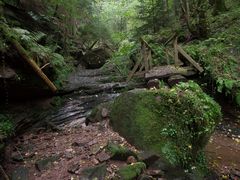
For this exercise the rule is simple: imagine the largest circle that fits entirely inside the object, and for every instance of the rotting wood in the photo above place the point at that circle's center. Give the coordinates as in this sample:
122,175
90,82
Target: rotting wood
145,42
134,69
145,56
176,59
33,64
170,39
169,70
194,63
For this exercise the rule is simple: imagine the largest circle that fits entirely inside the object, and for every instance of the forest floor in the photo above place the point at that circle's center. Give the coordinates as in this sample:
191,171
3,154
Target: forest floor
63,154
59,154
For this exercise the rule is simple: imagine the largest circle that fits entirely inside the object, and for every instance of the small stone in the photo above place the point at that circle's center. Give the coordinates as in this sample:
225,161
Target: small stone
96,172
104,113
74,168
153,83
131,159
21,173
68,155
78,144
155,172
145,177
95,149
103,156
44,164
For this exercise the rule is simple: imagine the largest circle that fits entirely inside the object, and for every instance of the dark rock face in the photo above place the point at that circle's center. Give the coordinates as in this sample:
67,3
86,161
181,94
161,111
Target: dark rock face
175,124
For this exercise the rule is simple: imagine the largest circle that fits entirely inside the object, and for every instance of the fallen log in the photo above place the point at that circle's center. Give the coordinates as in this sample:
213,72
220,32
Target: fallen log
169,70
33,64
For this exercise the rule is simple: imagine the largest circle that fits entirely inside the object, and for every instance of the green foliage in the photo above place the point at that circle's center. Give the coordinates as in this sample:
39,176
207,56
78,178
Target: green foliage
220,53
122,58
6,126
175,123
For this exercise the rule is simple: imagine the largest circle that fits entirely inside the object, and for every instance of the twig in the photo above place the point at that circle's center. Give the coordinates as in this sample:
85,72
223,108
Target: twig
4,173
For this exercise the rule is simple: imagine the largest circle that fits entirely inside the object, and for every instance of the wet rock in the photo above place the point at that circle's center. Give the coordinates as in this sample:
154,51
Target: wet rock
119,152
96,172
20,173
74,168
103,156
99,113
132,171
155,172
44,164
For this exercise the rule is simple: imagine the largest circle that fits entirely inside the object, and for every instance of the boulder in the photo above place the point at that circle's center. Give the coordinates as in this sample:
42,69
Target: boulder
175,124
96,58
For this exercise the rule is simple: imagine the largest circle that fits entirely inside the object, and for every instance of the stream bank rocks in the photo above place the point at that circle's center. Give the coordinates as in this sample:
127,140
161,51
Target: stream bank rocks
175,124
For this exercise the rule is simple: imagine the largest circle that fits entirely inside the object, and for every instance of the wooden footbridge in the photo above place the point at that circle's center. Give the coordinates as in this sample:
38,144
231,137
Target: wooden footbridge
183,65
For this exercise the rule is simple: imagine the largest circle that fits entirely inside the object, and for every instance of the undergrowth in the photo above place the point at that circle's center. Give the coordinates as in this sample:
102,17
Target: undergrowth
220,53
41,52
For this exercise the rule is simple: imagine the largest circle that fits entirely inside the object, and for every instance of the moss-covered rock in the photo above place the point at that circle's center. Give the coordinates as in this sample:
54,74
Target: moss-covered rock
119,152
175,123
131,171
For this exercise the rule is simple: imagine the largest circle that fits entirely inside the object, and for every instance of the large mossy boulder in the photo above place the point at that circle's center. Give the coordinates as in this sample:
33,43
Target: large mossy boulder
175,123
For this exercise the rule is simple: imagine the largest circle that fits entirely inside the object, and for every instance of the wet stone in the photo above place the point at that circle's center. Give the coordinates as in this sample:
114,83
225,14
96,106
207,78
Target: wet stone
96,172
44,164
20,173
103,156
74,168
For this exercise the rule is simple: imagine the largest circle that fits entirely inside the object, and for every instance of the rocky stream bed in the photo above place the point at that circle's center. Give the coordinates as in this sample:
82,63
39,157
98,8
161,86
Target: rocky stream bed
55,141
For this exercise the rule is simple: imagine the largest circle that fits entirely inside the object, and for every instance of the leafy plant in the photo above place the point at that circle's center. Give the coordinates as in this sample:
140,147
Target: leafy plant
6,126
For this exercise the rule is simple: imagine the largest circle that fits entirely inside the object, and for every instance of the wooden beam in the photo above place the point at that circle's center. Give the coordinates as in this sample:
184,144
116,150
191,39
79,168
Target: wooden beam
33,64
194,63
176,59
134,69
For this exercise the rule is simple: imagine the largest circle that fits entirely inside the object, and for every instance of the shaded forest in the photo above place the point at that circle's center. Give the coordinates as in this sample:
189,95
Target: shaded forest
109,89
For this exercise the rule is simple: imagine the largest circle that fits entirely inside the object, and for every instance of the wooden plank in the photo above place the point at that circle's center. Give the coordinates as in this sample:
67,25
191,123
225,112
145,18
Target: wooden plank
150,60
194,63
176,59
169,70
134,70
145,56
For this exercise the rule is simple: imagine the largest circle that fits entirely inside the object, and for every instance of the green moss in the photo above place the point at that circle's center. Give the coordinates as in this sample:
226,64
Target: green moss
131,171
176,123
119,152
